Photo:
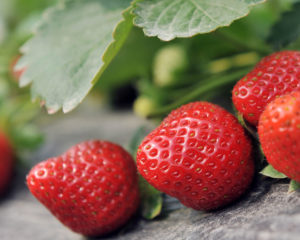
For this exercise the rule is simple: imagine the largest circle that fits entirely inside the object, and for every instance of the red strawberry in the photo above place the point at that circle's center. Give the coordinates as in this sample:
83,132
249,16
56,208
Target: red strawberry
92,188
200,155
279,134
16,73
273,76
6,162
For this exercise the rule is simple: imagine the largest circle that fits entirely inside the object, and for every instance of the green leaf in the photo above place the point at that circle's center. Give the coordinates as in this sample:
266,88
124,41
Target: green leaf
17,114
293,186
136,140
13,11
250,129
133,61
253,2
26,137
3,29
168,19
269,171
151,199
73,45
4,90
287,29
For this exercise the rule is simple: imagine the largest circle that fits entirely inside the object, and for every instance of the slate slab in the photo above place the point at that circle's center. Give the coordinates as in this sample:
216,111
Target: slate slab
266,212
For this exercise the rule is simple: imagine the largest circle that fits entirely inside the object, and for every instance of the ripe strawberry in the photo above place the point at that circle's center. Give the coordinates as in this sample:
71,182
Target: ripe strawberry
6,162
92,188
200,155
279,134
273,76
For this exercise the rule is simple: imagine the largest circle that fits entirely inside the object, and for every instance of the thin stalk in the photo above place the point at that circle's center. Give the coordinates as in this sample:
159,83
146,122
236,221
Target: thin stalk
243,45
205,87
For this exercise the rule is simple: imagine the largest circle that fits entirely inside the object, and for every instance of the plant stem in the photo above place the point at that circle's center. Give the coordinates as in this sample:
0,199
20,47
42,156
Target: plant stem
216,66
244,45
205,87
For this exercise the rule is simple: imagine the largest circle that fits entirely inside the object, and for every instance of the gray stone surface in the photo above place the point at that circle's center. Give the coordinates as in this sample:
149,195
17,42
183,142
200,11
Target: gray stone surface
265,212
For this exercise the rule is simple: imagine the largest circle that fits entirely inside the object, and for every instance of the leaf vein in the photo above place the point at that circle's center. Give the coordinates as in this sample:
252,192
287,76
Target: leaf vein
173,20
162,14
224,6
203,11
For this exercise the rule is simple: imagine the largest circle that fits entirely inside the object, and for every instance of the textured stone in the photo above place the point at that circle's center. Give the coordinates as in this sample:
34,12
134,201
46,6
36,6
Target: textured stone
265,212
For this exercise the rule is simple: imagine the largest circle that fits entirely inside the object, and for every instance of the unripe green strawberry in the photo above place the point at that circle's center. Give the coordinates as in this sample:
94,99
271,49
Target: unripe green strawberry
273,76
279,134
92,188
169,64
200,155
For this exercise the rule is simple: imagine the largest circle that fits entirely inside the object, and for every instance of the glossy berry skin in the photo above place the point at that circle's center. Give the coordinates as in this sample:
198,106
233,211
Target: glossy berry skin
92,188
200,155
279,134
273,76
6,162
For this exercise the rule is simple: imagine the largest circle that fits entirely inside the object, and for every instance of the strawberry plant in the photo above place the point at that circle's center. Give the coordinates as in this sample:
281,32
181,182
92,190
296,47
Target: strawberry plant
78,51
168,59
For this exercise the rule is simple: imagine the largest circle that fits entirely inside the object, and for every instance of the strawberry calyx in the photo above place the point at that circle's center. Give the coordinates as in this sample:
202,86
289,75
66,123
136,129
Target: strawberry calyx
271,172
250,128
294,186
151,198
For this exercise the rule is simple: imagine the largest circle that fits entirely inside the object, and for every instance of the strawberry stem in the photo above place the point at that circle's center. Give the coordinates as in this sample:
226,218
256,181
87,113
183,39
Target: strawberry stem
206,86
250,129
242,45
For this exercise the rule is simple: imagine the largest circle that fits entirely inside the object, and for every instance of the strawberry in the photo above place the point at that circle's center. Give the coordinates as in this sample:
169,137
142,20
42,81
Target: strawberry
6,162
279,134
273,76
92,188
200,155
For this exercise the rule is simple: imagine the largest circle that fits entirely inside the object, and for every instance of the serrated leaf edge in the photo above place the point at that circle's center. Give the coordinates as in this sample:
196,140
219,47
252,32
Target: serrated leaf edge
70,105
253,4
135,5
105,58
